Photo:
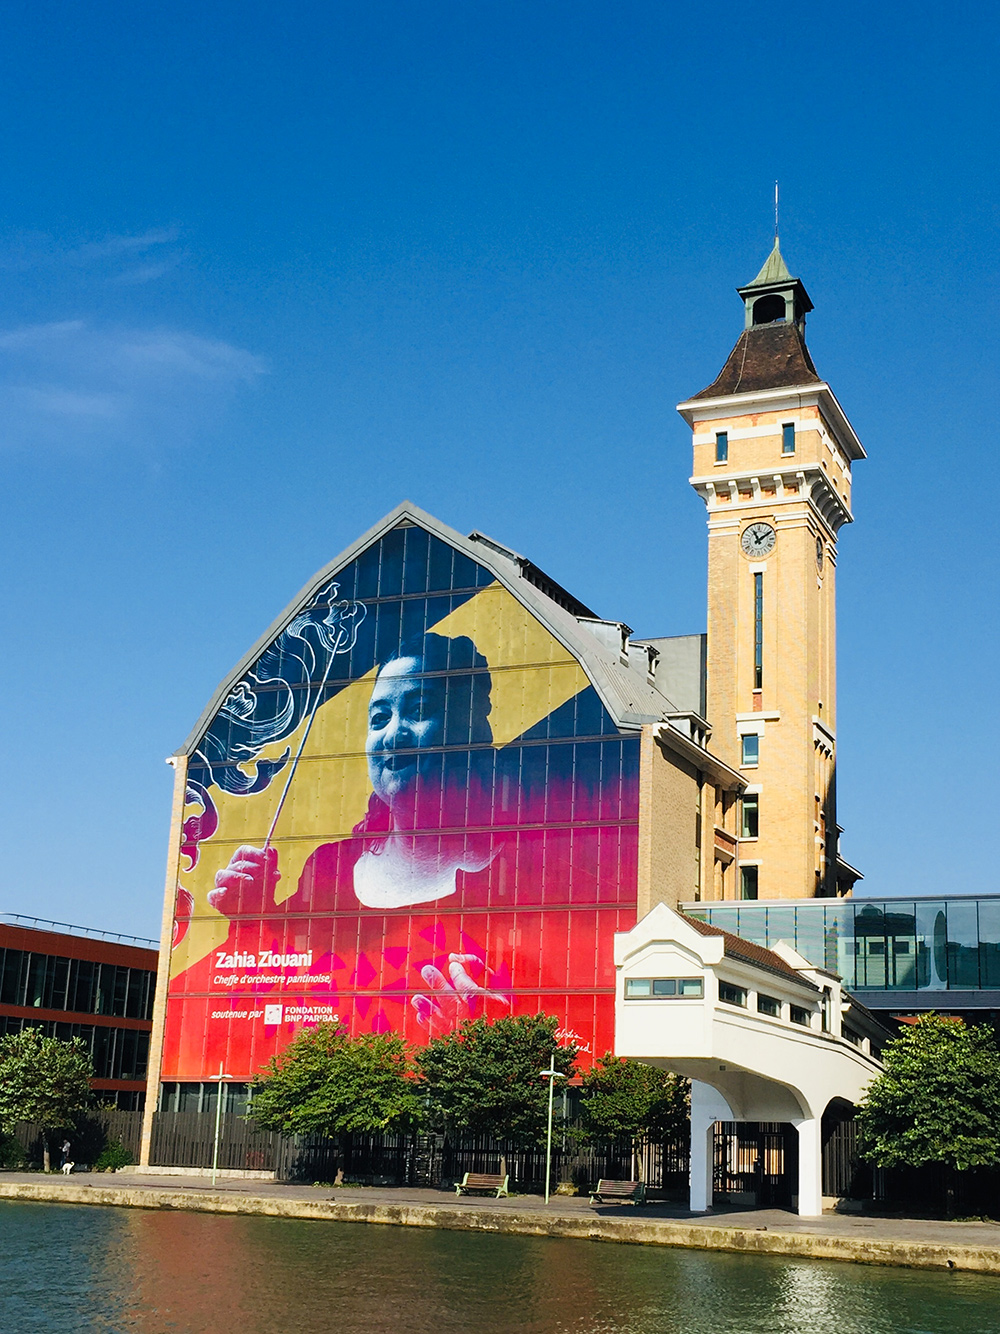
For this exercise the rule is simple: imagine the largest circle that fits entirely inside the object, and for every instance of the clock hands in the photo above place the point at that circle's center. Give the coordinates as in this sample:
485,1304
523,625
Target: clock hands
758,539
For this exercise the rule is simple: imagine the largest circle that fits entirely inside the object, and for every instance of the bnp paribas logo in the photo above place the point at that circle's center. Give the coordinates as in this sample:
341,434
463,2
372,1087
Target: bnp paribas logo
272,1014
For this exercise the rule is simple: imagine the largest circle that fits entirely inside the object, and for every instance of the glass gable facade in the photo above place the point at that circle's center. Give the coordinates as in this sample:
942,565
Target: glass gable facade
411,809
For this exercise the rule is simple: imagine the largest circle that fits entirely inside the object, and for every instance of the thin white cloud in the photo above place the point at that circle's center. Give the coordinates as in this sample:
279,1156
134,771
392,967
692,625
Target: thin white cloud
148,273
72,384
124,244
139,257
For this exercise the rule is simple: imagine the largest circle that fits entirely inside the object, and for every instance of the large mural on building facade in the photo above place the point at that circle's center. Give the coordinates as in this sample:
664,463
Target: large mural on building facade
413,809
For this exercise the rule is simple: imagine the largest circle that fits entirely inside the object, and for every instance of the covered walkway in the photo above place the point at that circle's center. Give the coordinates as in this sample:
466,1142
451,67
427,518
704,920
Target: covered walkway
763,1035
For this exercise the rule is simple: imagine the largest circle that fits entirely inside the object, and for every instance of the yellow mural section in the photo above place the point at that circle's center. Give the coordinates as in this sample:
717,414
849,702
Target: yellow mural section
328,793
511,639
532,675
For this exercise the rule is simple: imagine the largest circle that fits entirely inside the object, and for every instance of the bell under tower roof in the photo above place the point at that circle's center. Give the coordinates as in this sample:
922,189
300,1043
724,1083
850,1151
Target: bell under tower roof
774,296
771,352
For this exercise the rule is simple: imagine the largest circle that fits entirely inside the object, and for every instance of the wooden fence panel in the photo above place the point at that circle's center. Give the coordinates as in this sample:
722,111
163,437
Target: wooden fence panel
187,1139
94,1131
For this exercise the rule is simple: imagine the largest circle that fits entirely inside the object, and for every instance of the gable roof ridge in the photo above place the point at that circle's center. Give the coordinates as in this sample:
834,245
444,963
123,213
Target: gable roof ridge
631,701
737,948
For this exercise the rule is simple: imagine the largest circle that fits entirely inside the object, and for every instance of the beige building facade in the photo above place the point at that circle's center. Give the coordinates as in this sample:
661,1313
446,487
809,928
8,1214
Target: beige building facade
773,453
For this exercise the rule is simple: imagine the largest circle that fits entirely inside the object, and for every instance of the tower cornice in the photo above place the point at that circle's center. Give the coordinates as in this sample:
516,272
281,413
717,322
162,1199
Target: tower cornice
820,395
733,492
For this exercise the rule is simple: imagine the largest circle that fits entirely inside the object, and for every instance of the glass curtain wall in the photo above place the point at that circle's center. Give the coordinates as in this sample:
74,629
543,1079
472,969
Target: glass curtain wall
879,944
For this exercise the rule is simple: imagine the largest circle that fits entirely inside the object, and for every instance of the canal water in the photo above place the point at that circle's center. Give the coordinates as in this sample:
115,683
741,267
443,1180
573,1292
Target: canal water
83,1268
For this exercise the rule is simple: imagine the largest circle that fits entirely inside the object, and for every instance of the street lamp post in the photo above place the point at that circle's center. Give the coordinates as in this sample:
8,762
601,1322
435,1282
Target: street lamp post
217,1079
551,1074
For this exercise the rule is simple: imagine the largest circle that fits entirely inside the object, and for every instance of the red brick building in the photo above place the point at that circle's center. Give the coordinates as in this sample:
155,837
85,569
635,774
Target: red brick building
76,985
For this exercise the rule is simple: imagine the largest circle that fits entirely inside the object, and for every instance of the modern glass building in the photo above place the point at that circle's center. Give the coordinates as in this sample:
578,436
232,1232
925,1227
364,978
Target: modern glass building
894,954
72,983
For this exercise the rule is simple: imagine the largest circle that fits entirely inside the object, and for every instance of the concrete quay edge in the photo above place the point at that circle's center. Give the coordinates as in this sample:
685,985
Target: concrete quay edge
630,1230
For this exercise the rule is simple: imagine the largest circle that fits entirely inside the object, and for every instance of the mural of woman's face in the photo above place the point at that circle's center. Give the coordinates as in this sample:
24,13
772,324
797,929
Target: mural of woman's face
405,716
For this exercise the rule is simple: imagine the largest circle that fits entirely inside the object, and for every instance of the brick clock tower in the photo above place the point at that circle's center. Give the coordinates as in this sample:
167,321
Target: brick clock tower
773,451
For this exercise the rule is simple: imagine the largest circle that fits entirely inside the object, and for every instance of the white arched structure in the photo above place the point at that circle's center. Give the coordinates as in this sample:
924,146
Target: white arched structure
762,1034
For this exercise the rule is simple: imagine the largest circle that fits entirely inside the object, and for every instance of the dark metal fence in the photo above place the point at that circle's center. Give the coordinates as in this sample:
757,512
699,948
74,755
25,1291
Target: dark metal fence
664,1167
757,1159
186,1139
845,1173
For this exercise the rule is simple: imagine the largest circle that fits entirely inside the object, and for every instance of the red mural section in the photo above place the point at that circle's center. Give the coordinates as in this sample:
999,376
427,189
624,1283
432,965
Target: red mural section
414,809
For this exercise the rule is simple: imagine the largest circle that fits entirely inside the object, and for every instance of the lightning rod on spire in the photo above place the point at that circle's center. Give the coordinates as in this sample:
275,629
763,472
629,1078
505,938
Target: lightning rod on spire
775,212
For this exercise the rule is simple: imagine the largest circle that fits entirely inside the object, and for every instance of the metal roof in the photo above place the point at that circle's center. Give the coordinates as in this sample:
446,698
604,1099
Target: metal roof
775,270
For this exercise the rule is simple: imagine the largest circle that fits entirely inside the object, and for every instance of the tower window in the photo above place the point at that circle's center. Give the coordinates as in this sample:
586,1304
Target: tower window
788,438
748,882
750,750
722,446
769,310
751,815
758,631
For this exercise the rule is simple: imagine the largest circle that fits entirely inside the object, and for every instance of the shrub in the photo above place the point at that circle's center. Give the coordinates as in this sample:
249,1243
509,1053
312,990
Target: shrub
112,1156
938,1100
11,1153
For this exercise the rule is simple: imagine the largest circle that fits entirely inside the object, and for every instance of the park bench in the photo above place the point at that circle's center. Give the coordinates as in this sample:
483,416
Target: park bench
483,1183
618,1192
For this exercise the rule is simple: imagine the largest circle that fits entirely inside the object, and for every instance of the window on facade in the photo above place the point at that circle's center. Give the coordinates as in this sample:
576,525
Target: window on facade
662,988
732,995
750,748
748,882
758,631
117,1053
52,982
788,438
768,1005
799,1016
721,446
751,815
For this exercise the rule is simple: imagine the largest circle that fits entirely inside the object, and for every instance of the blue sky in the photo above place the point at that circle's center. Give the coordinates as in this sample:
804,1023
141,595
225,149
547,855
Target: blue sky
267,270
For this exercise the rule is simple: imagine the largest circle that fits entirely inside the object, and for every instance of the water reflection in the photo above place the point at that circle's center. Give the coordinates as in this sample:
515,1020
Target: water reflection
109,1271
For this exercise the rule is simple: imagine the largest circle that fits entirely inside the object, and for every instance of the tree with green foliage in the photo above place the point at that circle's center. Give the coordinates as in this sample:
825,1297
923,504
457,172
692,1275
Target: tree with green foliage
628,1100
43,1080
938,1100
484,1078
326,1083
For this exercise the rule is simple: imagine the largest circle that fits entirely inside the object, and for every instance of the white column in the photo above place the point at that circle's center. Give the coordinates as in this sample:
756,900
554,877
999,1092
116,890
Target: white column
810,1168
702,1164
707,1106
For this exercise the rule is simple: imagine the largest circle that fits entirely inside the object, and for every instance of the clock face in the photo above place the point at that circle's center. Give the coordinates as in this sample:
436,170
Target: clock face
819,553
758,539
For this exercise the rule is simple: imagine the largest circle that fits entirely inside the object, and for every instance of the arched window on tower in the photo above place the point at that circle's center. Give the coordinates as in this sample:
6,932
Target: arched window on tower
769,310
